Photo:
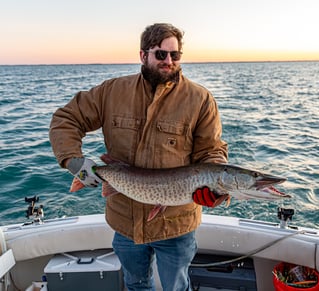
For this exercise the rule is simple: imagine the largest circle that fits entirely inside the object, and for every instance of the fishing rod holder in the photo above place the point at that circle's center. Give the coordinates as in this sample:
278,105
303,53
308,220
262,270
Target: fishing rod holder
285,215
36,212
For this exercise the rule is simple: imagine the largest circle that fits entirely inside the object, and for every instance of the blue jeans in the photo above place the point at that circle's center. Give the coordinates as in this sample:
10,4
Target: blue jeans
173,257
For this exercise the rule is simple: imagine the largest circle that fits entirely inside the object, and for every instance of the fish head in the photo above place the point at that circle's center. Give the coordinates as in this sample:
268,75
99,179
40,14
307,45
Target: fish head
241,178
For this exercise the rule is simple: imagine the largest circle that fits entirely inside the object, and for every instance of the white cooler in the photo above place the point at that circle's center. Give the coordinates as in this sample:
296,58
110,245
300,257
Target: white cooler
98,270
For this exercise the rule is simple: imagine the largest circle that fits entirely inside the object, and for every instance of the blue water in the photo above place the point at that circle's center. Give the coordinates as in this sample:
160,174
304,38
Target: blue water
270,120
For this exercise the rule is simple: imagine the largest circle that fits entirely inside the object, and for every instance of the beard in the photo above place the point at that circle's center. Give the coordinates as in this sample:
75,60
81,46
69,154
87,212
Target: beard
155,76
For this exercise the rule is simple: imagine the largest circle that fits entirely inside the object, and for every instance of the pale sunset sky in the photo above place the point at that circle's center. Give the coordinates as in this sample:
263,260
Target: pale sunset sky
108,31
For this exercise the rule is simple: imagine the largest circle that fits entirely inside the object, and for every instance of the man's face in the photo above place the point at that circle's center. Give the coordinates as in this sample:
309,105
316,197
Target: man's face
165,69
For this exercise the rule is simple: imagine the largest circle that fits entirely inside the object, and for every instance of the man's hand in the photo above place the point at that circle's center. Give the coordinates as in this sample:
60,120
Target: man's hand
204,196
83,169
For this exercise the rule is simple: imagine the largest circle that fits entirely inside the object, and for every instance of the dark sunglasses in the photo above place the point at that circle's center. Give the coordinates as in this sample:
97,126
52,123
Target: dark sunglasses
161,55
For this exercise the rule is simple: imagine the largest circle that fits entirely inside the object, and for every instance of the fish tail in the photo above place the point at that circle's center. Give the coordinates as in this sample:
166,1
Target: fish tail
76,185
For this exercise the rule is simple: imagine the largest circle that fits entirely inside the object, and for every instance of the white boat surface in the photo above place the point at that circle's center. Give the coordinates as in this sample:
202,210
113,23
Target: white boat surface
266,244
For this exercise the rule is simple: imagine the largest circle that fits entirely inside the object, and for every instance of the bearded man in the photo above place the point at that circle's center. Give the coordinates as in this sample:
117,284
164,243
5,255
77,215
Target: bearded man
154,119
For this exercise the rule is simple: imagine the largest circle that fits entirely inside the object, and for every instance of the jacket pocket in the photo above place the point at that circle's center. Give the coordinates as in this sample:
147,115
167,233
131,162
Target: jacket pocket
174,143
124,137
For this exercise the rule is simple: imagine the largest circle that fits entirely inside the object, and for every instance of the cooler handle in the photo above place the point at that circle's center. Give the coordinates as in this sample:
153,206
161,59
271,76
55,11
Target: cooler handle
83,261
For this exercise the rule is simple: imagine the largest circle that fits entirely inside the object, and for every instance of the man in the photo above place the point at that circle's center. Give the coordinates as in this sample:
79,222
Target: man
155,119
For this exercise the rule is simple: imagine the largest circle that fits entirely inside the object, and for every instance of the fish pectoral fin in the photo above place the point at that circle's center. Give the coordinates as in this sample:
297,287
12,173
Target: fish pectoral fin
108,190
224,196
156,210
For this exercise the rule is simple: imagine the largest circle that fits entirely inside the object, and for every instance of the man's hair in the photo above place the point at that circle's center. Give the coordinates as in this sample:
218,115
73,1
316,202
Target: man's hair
153,35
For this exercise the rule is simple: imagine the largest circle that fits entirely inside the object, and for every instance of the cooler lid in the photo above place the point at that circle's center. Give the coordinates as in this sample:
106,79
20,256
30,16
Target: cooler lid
85,261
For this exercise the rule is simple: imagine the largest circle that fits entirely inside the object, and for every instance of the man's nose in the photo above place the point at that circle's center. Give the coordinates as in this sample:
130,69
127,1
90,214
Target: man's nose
168,59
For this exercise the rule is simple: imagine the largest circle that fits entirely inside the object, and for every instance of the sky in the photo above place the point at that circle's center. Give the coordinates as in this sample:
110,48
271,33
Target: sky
108,31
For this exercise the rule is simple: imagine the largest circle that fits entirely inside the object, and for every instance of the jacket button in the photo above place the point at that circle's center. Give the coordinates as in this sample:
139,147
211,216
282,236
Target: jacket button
172,141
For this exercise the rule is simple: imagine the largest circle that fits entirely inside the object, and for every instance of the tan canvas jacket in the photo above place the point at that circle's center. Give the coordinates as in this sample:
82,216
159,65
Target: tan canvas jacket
177,125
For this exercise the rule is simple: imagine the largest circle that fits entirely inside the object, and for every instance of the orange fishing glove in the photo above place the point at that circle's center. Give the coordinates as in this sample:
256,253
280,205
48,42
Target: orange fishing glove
204,196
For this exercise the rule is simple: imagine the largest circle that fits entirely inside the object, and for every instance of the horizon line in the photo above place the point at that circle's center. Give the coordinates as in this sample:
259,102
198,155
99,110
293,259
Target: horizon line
137,63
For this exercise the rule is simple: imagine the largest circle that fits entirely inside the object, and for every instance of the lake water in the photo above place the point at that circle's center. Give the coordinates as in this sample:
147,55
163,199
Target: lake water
270,115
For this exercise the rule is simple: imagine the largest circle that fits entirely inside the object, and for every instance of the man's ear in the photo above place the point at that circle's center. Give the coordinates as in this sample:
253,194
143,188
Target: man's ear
143,56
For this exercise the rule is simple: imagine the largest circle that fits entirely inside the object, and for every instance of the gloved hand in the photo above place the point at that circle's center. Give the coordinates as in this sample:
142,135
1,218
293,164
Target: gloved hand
204,196
83,169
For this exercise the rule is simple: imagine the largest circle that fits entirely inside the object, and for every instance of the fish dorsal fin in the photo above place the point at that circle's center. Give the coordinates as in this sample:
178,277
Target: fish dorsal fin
107,159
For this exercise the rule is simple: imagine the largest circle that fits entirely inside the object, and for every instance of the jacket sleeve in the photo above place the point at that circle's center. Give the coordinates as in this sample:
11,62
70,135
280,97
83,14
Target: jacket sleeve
71,123
208,145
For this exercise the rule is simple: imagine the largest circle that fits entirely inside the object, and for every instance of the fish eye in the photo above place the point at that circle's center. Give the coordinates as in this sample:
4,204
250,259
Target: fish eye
256,174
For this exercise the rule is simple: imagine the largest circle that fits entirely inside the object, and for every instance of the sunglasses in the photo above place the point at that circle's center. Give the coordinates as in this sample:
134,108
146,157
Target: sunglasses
161,55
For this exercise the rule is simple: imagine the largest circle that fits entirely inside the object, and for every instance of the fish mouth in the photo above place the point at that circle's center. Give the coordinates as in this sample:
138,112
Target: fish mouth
266,183
274,191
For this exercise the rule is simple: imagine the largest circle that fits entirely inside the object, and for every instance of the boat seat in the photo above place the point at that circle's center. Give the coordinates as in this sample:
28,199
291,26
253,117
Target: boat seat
7,261
65,235
317,257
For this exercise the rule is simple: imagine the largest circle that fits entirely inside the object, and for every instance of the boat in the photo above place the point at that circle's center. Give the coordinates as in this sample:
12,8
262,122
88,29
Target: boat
233,253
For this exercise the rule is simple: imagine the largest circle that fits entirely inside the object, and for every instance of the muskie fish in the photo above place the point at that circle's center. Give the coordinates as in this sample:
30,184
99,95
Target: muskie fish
174,186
